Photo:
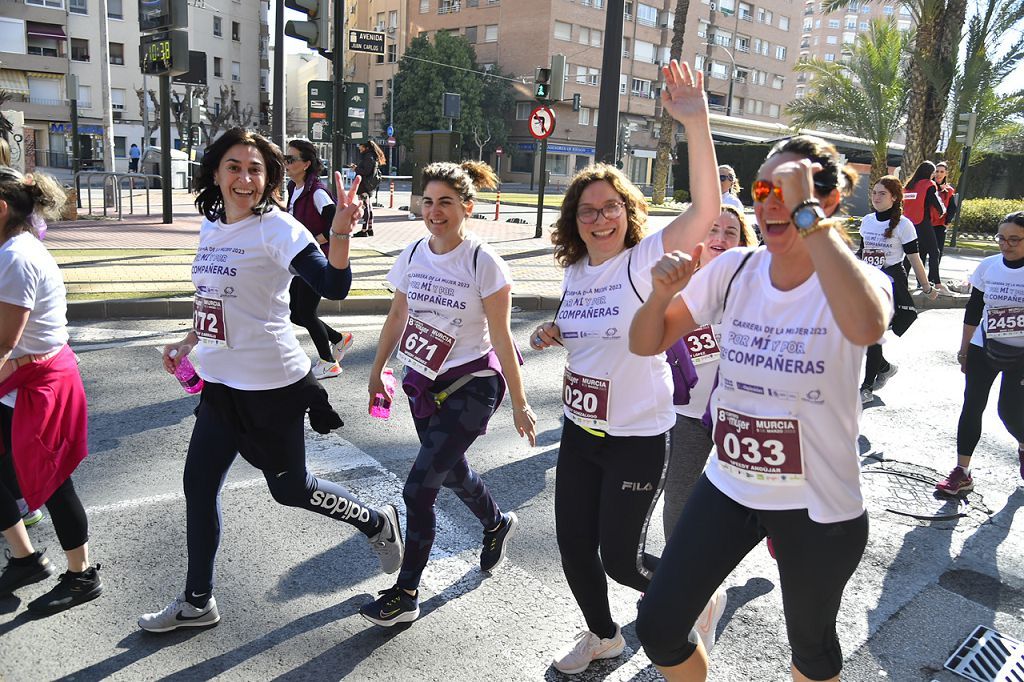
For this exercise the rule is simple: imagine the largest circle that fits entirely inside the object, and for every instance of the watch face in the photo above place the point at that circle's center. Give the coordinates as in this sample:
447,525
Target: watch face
806,217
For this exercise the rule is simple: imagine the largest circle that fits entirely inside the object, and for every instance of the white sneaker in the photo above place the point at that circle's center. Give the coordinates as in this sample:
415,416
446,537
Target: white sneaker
339,349
589,647
325,370
707,622
180,614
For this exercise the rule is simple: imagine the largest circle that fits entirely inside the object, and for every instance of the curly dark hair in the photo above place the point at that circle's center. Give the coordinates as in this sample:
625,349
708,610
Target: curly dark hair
569,246
35,193
209,199
465,178
307,152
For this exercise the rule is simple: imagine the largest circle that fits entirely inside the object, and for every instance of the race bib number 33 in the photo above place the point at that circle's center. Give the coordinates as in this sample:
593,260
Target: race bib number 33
759,449
703,345
1004,322
424,347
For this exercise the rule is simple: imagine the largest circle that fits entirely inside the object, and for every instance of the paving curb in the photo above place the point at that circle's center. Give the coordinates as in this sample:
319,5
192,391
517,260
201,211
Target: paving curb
181,308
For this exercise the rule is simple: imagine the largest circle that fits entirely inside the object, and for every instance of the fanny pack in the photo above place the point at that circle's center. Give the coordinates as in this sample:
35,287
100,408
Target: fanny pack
1002,356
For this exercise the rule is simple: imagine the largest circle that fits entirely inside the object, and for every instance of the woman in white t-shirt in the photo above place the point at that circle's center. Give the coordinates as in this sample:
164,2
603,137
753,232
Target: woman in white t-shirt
618,406
800,314
257,380
449,321
730,187
42,400
992,343
886,237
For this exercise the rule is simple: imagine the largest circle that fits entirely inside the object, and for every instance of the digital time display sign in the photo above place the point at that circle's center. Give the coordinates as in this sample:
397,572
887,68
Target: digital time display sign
164,53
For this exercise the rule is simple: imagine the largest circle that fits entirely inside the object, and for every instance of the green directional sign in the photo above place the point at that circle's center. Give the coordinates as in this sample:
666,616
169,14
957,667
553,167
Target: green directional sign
357,112
320,110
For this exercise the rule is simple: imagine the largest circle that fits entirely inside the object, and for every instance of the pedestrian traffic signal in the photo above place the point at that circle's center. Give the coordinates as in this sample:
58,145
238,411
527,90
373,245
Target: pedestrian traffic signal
198,110
965,129
576,102
557,77
542,80
316,31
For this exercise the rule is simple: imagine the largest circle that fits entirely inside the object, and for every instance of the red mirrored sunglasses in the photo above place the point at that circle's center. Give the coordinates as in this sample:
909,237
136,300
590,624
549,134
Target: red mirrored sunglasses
762,188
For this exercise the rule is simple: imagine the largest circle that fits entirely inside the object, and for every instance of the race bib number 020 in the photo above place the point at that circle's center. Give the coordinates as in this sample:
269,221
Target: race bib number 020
703,345
208,320
1004,322
586,399
875,258
424,347
763,450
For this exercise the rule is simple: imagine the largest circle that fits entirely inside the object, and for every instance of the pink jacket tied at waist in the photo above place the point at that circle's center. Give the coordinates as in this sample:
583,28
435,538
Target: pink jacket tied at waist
50,426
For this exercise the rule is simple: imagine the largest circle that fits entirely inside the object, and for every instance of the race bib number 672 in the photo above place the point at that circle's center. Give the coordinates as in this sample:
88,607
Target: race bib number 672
764,450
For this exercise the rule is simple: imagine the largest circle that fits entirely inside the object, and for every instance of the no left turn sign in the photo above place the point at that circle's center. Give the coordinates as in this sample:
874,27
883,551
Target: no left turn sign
542,122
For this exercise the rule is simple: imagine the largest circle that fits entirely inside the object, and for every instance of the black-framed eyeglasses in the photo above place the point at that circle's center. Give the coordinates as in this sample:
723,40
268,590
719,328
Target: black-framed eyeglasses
610,211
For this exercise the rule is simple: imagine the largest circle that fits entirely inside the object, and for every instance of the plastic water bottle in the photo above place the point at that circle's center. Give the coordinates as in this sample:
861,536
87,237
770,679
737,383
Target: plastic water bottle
186,374
381,407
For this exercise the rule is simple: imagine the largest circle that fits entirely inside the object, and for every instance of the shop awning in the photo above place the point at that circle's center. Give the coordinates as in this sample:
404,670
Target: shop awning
13,81
44,74
36,28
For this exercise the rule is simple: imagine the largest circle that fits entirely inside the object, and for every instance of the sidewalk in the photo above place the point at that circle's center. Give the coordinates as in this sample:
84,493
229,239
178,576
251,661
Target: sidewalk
140,268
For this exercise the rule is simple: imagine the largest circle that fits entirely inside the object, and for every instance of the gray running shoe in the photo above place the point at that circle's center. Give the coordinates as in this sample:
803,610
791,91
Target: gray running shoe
388,544
180,614
883,377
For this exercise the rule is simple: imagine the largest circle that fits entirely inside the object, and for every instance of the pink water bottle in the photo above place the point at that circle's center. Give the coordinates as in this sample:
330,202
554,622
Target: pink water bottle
381,407
186,375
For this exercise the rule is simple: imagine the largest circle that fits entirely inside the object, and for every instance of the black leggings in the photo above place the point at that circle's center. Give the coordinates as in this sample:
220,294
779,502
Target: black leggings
303,313
713,535
928,247
211,451
445,437
66,510
605,492
367,211
874,364
979,380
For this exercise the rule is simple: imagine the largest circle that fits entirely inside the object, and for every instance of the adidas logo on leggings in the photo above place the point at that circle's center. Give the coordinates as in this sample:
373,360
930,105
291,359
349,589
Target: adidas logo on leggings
340,506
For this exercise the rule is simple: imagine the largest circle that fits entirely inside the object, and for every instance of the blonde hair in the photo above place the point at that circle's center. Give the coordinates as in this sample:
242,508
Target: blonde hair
30,198
731,172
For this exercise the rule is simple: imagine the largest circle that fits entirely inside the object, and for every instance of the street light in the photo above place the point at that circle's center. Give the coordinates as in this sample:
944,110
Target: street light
732,75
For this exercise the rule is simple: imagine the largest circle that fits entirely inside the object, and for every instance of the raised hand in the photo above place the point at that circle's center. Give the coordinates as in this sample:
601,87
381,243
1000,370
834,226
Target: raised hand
672,273
349,208
683,95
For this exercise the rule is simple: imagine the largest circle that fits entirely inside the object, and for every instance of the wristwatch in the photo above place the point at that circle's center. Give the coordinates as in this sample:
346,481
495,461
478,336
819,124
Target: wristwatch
808,214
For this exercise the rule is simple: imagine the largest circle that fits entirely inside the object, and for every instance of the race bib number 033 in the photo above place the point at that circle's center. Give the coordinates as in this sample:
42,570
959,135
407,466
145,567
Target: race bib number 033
703,345
1004,322
424,347
586,399
759,449
208,320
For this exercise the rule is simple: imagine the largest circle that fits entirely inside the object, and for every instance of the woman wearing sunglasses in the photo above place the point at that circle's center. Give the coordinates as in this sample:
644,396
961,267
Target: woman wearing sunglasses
730,187
992,342
617,406
311,204
785,462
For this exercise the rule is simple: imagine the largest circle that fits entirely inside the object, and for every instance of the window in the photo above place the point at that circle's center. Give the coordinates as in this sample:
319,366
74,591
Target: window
644,51
702,29
587,75
78,6
746,12
778,82
647,15
563,30
393,19
380,21
817,23
831,40
79,49
378,88
742,75
85,97
117,96
719,70
265,80
584,116
378,59
808,24
218,67
830,57
799,92
591,36
903,25
470,35
904,11
641,87
115,9
833,23
120,146
392,52
523,110
865,9
448,6
780,51
698,62
625,47
623,78
627,10
218,29
491,33
887,10
558,164
760,77
761,47
784,23
236,71
764,16
424,6
851,24
117,53
743,43
44,90
522,162
773,110
849,37
56,4
236,30
863,25
723,38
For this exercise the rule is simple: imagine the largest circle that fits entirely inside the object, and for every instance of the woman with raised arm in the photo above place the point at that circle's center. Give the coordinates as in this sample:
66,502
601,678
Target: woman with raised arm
796,318
618,406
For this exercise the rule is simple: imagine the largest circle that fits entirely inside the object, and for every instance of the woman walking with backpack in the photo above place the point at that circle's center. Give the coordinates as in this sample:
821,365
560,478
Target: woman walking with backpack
371,158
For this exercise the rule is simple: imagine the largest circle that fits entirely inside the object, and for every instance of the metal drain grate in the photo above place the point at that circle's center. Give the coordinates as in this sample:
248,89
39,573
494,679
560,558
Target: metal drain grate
988,656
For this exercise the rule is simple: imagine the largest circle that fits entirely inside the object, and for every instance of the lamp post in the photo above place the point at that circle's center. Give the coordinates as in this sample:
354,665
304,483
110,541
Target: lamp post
732,75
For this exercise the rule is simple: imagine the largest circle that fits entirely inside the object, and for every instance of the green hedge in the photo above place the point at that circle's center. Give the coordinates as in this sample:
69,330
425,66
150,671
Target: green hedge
982,216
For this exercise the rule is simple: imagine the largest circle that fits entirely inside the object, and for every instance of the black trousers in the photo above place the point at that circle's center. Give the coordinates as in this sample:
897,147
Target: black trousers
928,247
979,379
303,304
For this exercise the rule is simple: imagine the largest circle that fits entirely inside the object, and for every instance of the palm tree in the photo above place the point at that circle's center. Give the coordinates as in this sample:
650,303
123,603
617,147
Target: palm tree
936,42
864,95
667,129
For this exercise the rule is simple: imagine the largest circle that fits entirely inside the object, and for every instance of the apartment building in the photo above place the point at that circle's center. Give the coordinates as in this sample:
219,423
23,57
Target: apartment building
43,41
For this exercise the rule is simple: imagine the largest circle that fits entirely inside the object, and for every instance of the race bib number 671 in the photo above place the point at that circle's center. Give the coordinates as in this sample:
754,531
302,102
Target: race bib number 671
764,450
424,347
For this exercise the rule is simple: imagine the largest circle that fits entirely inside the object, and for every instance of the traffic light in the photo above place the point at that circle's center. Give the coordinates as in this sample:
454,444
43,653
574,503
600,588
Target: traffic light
557,77
198,109
576,101
542,82
626,132
965,129
316,32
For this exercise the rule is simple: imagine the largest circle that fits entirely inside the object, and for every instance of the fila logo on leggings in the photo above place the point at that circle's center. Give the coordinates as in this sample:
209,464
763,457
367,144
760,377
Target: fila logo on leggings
637,487
340,506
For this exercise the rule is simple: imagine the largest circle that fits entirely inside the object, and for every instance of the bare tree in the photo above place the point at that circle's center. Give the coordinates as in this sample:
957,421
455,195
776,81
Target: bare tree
480,141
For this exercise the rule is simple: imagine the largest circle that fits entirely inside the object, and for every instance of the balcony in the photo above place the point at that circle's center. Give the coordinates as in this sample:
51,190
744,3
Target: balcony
449,7
41,109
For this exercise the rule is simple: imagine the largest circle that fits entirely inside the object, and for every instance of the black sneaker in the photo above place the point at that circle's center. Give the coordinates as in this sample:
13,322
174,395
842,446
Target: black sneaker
394,606
72,590
496,542
21,572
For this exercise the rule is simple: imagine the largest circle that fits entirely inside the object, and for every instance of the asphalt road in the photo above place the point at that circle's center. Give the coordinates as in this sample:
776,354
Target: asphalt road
289,583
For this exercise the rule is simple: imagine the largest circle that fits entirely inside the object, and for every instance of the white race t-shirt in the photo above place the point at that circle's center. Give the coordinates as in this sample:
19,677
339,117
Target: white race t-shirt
706,367
242,273
30,278
784,358
880,251
446,291
1004,301
730,199
598,306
